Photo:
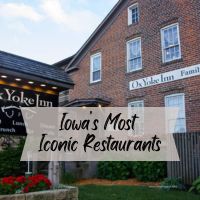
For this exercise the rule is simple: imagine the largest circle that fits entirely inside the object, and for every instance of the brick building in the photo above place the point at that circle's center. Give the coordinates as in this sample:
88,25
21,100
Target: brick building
140,39
144,53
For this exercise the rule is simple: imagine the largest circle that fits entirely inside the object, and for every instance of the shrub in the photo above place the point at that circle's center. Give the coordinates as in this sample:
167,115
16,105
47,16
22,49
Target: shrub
173,183
10,161
195,186
115,170
150,171
143,171
13,185
68,178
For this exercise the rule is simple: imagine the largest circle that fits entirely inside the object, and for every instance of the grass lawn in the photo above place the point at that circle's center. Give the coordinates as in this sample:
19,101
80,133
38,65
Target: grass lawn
92,192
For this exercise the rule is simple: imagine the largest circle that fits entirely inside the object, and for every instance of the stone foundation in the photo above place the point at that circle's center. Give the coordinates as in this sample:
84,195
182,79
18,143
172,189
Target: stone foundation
70,193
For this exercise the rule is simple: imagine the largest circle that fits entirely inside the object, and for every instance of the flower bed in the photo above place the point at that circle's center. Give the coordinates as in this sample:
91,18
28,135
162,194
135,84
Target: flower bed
19,185
34,188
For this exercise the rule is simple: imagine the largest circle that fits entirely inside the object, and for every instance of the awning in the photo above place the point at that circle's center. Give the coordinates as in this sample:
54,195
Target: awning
25,68
88,103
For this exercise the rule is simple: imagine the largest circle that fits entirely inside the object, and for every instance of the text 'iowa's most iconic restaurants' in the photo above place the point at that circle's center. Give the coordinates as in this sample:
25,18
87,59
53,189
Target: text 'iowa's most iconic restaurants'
143,54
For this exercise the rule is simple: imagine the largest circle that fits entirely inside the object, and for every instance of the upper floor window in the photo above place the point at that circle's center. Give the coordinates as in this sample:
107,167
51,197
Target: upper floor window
177,101
134,55
133,14
95,68
171,49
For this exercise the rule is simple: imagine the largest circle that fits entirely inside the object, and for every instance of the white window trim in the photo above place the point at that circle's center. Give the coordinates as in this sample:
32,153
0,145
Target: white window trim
134,102
174,95
162,42
130,114
91,67
130,14
127,54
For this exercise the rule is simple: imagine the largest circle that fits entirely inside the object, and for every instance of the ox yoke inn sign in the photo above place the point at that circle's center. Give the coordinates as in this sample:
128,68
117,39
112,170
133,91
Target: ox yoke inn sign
27,83
16,96
11,99
165,77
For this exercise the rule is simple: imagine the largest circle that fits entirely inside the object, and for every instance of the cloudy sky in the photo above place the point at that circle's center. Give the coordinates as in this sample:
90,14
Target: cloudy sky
49,30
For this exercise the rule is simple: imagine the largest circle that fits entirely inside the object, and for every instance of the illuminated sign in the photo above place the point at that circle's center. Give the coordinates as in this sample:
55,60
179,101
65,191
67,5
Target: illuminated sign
11,99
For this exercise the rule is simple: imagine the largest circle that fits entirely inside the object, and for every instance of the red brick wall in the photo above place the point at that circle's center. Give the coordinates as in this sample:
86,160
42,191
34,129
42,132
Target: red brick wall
154,15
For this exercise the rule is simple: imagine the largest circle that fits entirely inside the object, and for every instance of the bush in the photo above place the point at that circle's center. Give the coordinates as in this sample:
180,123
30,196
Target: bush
173,183
143,171
68,178
10,161
13,185
195,186
115,170
150,171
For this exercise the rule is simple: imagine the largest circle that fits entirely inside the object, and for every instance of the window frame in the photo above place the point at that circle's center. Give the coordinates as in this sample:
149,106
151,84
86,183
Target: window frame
128,54
92,68
134,102
162,42
183,96
141,124
130,8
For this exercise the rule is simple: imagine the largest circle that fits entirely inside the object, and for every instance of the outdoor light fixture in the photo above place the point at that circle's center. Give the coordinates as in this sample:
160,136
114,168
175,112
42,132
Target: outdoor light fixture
43,85
3,76
31,82
18,79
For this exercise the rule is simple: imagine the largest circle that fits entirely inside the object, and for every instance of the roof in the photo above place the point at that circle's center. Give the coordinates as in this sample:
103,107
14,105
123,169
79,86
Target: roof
69,66
27,66
87,102
64,62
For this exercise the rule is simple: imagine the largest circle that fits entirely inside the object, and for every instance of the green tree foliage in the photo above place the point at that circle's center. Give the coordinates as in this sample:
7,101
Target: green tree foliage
10,164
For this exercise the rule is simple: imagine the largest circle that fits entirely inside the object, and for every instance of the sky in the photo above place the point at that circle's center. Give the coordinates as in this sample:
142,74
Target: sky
49,30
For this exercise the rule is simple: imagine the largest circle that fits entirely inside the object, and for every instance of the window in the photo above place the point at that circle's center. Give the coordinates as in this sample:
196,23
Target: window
177,100
134,55
133,14
136,104
138,108
63,97
170,37
95,68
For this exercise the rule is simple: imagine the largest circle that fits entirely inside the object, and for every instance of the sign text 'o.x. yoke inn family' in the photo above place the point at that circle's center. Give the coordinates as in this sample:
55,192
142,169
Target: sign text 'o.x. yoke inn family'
165,77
